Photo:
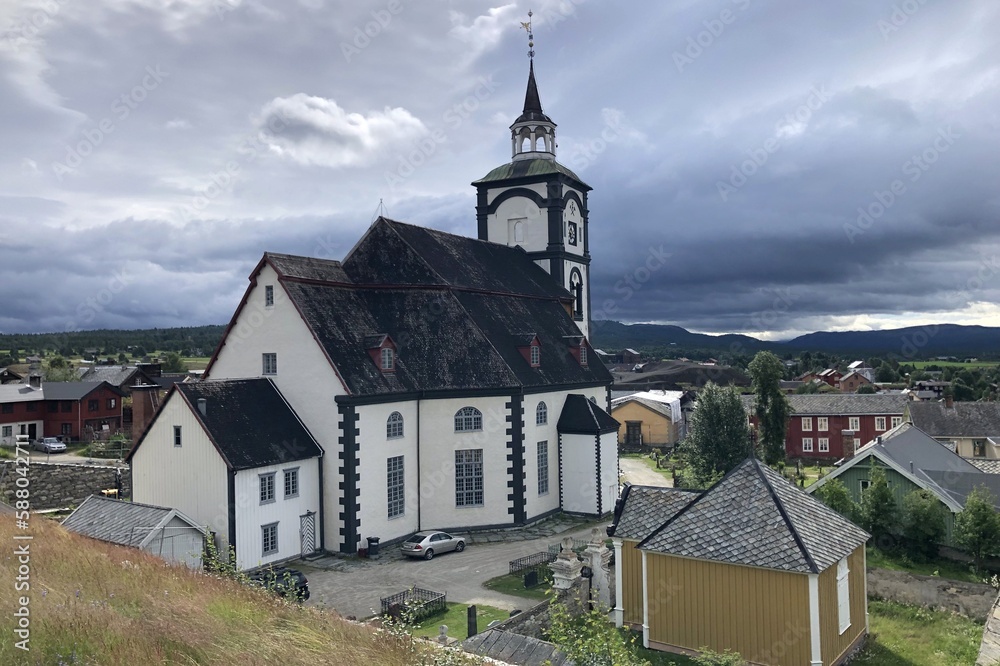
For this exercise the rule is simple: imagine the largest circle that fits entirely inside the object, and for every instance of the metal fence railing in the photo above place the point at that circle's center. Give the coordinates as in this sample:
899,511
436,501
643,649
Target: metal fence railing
533,561
417,602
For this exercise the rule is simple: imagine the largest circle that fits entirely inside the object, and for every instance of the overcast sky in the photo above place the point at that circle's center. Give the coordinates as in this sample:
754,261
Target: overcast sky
800,165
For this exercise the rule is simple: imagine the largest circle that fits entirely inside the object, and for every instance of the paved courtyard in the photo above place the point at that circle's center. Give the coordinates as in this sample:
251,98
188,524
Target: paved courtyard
354,586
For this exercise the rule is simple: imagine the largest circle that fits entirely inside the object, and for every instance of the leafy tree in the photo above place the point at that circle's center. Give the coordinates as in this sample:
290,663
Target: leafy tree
877,511
719,437
962,392
885,373
771,406
172,362
977,526
7,360
923,523
867,389
57,362
590,640
835,495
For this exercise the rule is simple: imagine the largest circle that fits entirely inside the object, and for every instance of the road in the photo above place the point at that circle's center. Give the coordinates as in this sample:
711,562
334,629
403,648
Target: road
354,586
637,472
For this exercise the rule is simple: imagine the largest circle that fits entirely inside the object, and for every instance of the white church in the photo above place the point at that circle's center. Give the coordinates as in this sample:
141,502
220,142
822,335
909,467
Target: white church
427,381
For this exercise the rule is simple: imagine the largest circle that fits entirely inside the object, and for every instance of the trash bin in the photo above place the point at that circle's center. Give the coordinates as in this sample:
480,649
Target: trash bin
373,546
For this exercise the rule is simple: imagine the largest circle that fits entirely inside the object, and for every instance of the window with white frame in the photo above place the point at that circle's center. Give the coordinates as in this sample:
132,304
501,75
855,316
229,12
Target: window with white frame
469,477
177,435
863,484
395,484
807,444
583,354
291,482
896,420
807,423
822,423
880,423
536,356
468,419
394,426
854,423
269,363
541,413
269,539
824,444
8,431
543,468
266,488
843,595
388,359
268,295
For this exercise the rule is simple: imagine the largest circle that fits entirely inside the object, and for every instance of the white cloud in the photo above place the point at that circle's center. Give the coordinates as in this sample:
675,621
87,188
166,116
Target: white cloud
484,32
317,131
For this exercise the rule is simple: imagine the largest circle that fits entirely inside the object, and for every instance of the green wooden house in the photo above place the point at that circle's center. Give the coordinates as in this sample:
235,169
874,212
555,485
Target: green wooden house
914,460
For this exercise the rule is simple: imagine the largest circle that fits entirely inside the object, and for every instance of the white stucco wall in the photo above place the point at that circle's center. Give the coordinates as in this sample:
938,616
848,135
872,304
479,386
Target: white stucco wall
579,473
438,443
373,453
609,471
191,478
535,504
305,377
15,430
251,515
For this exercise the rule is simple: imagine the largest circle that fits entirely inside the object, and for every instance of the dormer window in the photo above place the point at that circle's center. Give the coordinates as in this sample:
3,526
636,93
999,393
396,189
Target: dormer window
578,348
382,351
583,354
530,347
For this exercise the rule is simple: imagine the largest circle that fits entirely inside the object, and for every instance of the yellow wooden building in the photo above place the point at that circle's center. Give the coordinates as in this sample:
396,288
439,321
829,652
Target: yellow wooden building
650,418
753,565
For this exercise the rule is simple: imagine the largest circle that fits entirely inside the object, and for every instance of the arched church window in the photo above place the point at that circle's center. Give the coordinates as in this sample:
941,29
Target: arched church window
576,288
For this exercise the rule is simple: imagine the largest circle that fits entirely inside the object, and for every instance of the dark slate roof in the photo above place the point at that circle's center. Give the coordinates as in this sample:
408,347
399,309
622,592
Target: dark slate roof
909,444
836,404
73,390
963,419
249,421
455,307
307,268
754,517
509,648
958,485
582,417
125,523
115,375
529,167
532,103
645,508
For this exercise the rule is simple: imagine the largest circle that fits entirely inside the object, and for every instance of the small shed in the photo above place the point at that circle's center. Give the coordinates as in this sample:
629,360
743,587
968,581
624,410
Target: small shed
160,531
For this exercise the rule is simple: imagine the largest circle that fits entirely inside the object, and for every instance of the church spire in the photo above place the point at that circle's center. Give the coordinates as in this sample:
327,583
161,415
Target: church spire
533,134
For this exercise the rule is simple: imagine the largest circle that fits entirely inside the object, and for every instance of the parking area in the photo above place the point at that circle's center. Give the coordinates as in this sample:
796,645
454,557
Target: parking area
354,586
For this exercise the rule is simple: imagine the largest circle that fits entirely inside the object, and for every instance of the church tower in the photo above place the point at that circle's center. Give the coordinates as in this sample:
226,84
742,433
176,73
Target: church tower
538,204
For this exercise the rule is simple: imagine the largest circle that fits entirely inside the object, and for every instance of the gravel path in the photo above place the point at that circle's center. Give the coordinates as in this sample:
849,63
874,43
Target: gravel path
637,472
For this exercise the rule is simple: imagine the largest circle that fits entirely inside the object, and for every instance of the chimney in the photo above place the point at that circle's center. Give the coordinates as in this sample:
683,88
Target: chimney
911,467
203,406
847,437
949,401
35,380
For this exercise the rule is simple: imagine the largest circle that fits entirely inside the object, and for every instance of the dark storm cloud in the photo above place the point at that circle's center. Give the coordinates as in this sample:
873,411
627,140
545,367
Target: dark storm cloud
756,166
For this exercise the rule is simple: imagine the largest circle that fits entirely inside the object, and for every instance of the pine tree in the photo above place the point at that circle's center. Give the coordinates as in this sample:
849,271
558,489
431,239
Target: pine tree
719,437
771,407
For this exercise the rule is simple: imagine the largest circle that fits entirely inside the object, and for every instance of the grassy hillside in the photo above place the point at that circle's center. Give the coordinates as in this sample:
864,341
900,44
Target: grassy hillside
95,603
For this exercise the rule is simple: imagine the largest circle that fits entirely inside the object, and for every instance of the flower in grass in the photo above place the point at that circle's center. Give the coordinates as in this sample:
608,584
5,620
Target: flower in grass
78,594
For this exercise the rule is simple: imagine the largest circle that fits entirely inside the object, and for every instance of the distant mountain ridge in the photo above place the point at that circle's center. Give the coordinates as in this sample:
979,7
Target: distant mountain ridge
913,342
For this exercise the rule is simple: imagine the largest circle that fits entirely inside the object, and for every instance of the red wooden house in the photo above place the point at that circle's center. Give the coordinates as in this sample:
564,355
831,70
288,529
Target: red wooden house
69,410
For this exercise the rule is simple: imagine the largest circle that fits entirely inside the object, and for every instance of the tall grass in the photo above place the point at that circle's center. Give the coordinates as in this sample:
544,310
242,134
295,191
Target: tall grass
97,603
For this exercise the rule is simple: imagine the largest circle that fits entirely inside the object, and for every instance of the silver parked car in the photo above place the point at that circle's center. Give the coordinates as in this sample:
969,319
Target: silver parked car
429,544
50,445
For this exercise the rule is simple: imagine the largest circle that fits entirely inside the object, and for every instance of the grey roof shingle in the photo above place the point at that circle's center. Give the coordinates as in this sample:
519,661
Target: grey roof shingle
836,404
658,407
963,419
755,517
988,466
125,523
73,390
116,375
511,648
645,508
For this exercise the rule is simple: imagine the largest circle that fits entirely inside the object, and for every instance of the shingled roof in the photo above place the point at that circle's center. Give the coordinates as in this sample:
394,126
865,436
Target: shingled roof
962,419
74,390
642,509
248,420
116,521
836,404
455,307
580,416
754,517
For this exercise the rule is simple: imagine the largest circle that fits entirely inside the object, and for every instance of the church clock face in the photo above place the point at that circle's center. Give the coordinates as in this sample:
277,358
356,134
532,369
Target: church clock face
571,233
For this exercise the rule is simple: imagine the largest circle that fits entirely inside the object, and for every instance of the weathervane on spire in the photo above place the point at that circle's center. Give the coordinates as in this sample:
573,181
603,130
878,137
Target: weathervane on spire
531,38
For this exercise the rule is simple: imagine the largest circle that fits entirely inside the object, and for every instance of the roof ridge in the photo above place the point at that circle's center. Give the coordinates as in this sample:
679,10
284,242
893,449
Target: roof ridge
784,515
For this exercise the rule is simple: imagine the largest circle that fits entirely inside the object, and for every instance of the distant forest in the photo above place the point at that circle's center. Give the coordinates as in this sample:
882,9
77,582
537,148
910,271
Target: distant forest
188,341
